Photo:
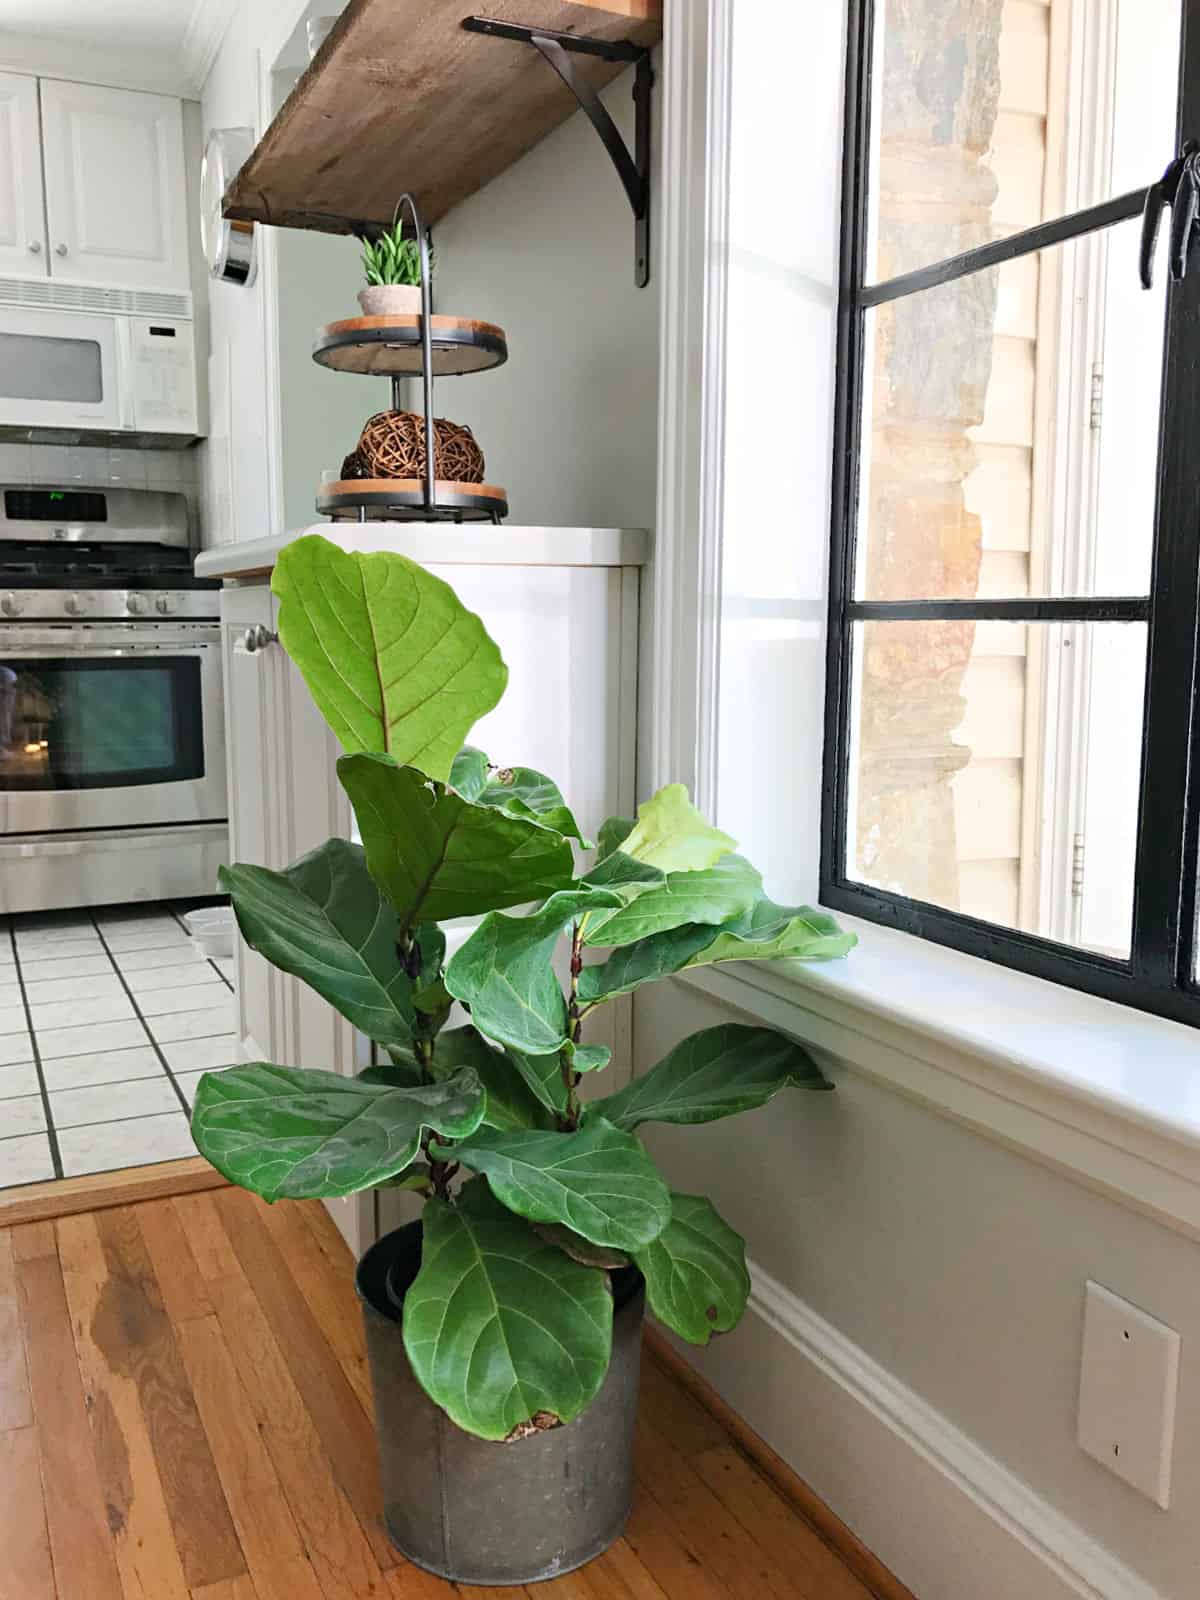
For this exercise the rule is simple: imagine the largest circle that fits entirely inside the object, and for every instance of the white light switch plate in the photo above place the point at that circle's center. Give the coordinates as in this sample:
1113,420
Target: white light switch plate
1127,1389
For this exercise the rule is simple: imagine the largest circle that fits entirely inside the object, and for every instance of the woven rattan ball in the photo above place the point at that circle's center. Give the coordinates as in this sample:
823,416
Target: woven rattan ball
393,446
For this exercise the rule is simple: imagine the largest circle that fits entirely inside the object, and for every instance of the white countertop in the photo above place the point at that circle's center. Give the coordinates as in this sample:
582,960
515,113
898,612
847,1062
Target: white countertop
443,544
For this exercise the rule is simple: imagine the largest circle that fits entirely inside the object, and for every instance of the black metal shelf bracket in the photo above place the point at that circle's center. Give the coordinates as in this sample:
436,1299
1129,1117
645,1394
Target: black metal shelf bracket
633,170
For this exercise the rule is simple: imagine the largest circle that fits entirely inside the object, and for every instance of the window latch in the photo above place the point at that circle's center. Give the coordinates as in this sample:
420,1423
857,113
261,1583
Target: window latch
1179,189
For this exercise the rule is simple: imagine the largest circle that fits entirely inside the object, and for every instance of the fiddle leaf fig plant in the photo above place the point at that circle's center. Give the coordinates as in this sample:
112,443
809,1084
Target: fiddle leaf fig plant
534,1194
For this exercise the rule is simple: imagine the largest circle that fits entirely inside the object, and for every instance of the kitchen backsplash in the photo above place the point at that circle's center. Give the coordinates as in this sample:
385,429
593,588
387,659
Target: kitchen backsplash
22,464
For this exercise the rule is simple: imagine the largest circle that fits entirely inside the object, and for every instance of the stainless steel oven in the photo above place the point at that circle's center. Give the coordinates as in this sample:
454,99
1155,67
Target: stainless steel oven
112,736
108,724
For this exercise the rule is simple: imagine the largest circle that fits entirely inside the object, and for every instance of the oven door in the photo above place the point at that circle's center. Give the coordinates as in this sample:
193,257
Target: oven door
59,369
110,725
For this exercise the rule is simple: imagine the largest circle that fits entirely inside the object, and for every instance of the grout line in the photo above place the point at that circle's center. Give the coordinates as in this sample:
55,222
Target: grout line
104,1122
106,1083
209,959
51,1135
154,1044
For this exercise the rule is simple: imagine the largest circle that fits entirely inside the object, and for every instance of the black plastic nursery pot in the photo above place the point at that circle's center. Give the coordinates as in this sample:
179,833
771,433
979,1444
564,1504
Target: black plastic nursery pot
491,1513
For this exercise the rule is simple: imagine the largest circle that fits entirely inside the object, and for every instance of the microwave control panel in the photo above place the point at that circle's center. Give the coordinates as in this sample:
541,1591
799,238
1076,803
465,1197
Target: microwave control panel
163,361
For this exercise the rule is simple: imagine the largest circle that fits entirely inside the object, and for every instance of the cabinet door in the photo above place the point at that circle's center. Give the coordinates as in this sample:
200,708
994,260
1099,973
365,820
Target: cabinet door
115,205
22,214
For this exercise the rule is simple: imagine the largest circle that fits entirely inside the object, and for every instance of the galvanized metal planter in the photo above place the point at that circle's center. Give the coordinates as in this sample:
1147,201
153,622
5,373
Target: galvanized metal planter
487,1513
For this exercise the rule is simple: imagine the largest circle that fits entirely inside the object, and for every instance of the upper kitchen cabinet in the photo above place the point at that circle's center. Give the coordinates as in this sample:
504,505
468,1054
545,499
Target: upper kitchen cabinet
115,195
22,214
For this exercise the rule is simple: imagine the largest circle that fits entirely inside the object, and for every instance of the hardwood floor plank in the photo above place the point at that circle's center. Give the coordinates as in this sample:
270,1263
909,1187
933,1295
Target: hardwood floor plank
774,1525
688,1426
325,1230
665,1553
347,1435
407,1582
33,1239
179,1278
25,1569
336,1544
138,1519
16,1406
266,1528
228,1589
328,1289
206,1237
135,1336
76,1520
622,1560
63,1197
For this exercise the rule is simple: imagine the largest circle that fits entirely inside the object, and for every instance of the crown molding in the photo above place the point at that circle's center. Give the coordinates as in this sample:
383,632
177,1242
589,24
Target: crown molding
207,27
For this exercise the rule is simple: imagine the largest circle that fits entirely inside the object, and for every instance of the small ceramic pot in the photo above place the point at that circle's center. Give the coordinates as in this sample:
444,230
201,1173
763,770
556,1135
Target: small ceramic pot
390,300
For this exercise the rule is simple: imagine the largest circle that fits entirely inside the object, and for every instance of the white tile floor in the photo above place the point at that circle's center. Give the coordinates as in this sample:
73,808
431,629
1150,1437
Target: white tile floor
107,1021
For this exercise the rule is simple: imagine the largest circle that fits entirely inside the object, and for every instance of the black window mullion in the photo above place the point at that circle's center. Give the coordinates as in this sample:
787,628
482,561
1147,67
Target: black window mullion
1165,882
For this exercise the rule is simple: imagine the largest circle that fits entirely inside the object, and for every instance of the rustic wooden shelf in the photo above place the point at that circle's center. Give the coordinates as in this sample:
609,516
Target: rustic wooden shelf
400,96
390,347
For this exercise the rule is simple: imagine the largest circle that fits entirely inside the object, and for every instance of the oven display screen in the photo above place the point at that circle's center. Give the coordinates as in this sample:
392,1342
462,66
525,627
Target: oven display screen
55,505
100,724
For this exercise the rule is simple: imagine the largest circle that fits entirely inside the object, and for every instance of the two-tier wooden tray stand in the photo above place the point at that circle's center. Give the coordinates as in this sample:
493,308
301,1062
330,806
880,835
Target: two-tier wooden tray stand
397,348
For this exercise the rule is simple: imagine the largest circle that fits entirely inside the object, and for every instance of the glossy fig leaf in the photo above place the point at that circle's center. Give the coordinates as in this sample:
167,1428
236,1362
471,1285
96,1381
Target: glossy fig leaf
325,921
510,1102
612,835
289,1133
619,871
767,932
581,1249
499,1324
672,835
503,972
393,659
588,1057
695,1271
437,856
542,1076
709,895
523,792
715,1073
599,1181
469,772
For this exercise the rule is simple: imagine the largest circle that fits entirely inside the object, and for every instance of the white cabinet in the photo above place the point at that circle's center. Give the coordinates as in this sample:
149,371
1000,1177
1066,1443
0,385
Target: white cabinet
115,197
22,213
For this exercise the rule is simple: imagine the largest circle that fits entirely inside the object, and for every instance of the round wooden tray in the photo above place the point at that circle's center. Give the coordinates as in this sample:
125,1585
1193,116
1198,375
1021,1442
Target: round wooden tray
387,347
406,497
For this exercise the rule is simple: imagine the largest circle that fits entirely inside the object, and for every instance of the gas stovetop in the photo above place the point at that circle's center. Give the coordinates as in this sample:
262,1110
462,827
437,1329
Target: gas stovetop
46,582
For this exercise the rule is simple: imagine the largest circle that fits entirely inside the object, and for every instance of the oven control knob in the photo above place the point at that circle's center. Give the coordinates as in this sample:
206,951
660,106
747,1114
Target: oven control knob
74,606
135,604
165,604
11,605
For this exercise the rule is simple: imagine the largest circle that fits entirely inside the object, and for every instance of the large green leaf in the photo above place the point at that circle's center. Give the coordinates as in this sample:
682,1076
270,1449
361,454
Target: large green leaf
437,856
600,1181
324,921
499,1324
619,871
695,1271
671,834
613,832
524,792
715,1073
503,972
711,895
510,1103
289,1133
393,659
542,1075
767,932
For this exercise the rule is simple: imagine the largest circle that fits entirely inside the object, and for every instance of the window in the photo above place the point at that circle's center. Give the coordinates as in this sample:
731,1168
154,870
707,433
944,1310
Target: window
1016,516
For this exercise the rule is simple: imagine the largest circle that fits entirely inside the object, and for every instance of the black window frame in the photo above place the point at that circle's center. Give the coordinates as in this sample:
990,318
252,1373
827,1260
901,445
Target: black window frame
1159,975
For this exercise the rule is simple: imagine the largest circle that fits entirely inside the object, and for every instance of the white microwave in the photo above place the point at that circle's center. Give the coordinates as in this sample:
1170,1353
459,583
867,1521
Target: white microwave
116,363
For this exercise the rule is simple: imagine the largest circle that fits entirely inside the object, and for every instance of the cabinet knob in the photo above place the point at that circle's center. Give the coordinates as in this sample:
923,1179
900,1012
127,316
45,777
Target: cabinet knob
60,249
35,247
258,638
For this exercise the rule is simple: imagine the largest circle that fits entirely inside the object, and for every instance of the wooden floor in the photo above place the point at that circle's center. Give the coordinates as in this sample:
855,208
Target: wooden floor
184,1415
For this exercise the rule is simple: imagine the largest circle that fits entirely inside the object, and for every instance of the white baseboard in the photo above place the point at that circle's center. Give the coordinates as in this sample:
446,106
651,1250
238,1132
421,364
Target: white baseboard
947,1518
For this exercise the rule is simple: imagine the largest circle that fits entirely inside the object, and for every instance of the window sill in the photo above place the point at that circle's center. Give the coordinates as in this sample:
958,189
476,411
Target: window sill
1106,1093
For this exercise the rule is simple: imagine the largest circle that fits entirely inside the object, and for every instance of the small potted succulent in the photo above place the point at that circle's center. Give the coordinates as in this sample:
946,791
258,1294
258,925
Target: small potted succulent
392,267
504,1326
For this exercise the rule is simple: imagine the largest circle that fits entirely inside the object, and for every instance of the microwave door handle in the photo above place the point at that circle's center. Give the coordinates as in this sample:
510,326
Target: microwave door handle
124,374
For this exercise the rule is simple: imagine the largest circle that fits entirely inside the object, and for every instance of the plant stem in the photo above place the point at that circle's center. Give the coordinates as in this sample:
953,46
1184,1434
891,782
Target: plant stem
574,1027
